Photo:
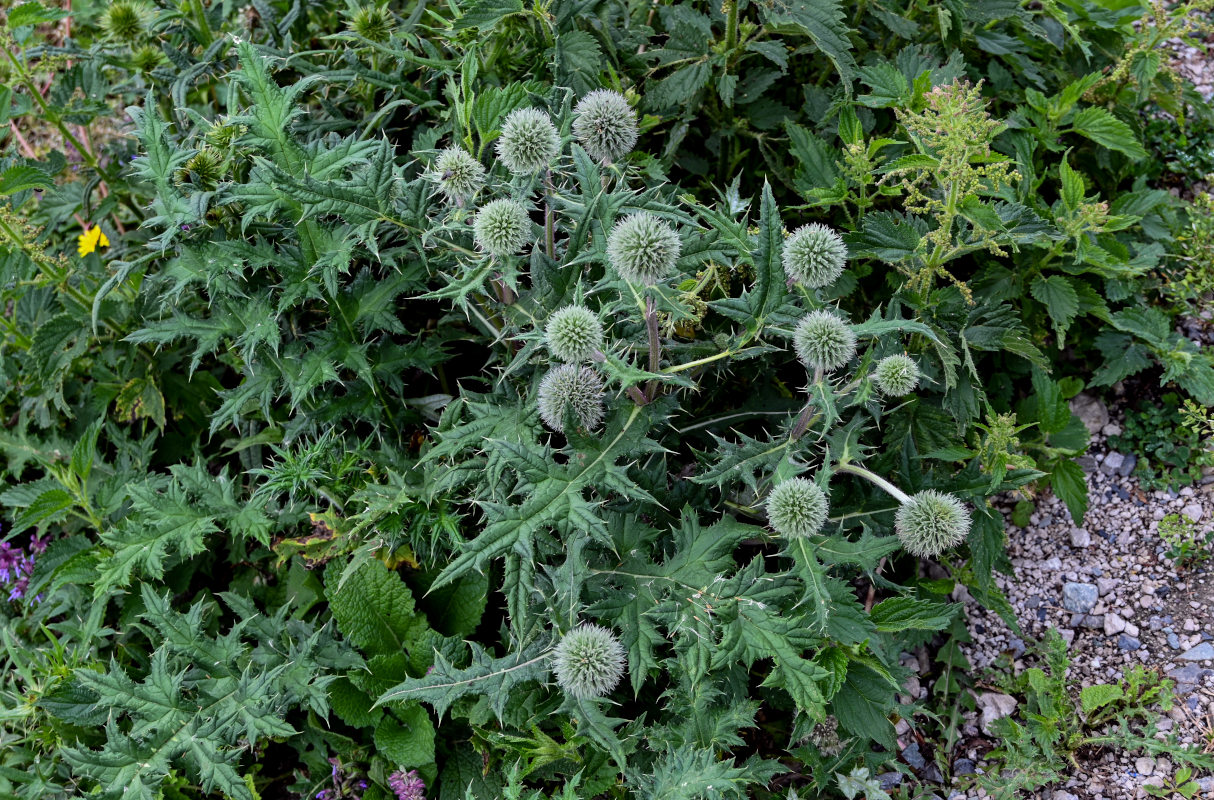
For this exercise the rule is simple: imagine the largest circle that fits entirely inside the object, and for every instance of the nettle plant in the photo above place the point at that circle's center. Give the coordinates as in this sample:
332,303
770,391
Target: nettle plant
666,468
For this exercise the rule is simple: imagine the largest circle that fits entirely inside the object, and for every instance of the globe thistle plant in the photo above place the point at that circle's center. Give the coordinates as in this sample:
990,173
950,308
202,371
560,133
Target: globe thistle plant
797,508
501,227
588,661
896,375
643,249
570,388
931,522
823,341
814,256
605,125
529,141
458,174
573,334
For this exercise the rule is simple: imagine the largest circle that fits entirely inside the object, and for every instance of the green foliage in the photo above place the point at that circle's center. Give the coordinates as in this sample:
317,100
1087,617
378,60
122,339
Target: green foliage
1171,451
298,364
1039,746
1187,545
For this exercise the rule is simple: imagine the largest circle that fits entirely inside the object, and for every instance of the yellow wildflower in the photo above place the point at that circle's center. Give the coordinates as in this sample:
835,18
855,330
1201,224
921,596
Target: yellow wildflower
91,239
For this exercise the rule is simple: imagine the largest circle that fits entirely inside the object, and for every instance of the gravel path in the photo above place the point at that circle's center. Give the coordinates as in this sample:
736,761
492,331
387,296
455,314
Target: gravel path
1117,600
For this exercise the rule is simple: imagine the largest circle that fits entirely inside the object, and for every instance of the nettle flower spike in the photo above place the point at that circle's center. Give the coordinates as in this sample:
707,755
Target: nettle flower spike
588,661
823,341
574,334
605,125
797,508
896,375
529,141
570,387
814,255
643,249
501,227
931,522
458,174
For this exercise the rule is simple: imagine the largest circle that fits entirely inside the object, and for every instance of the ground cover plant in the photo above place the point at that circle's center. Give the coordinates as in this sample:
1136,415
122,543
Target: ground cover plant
504,400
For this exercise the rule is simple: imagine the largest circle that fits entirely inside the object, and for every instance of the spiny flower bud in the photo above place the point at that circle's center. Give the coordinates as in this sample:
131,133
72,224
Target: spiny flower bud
374,23
529,141
605,125
643,249
501,227
896,375
797,508
146,58
931,522
573,388
573,334
124,20
823,341
814,255
458,174
588,661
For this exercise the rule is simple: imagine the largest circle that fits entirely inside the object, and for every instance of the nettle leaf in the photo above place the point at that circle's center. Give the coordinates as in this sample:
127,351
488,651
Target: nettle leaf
373,608
491,677
824,22
1099,125
1061,300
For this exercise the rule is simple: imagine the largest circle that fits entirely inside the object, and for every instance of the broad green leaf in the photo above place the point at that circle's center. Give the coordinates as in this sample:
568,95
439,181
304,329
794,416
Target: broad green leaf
1099,125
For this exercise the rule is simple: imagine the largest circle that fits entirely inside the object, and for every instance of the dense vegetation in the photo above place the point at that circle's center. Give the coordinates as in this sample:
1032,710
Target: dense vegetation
559,399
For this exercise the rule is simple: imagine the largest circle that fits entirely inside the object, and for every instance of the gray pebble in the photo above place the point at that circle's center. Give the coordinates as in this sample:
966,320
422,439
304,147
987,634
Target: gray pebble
1128,642
1202,652
1079,597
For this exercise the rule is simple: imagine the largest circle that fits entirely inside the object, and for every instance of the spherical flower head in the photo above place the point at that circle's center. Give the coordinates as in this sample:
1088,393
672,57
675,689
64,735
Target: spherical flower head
797,508
529,141
124,20
574,334
568,387
823,341
374,23
931,522
146,58
605,125
588,661
814,256
459,175
643,249
896,375
501,227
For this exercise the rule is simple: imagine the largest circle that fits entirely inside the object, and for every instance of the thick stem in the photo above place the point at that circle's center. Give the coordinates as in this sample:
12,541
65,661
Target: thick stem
655,344
802,423
874,479
731,24
549,226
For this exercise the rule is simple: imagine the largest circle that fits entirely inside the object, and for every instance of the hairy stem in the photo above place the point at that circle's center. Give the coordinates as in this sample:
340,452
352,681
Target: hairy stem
875,479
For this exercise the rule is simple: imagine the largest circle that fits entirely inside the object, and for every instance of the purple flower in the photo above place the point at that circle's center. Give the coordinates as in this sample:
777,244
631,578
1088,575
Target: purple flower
407,785
16,566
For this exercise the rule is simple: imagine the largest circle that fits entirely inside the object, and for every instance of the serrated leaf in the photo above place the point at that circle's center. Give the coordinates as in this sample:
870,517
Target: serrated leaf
374,608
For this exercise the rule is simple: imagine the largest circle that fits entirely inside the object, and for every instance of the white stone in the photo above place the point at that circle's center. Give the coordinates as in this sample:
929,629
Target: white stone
1113,624
1193,511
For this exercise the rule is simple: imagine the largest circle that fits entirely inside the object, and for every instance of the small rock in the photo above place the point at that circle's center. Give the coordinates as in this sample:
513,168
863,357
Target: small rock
1193,511
1067,634
993,706
1052,564
1113,624
1131,629
963,766
1106,585
1127,466
1190,626
1079,597
1173,641
1112,463
1093,621
1080,537
889,780
1128,642
1112,429
913,757
1144,766
1202,652
1091,411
